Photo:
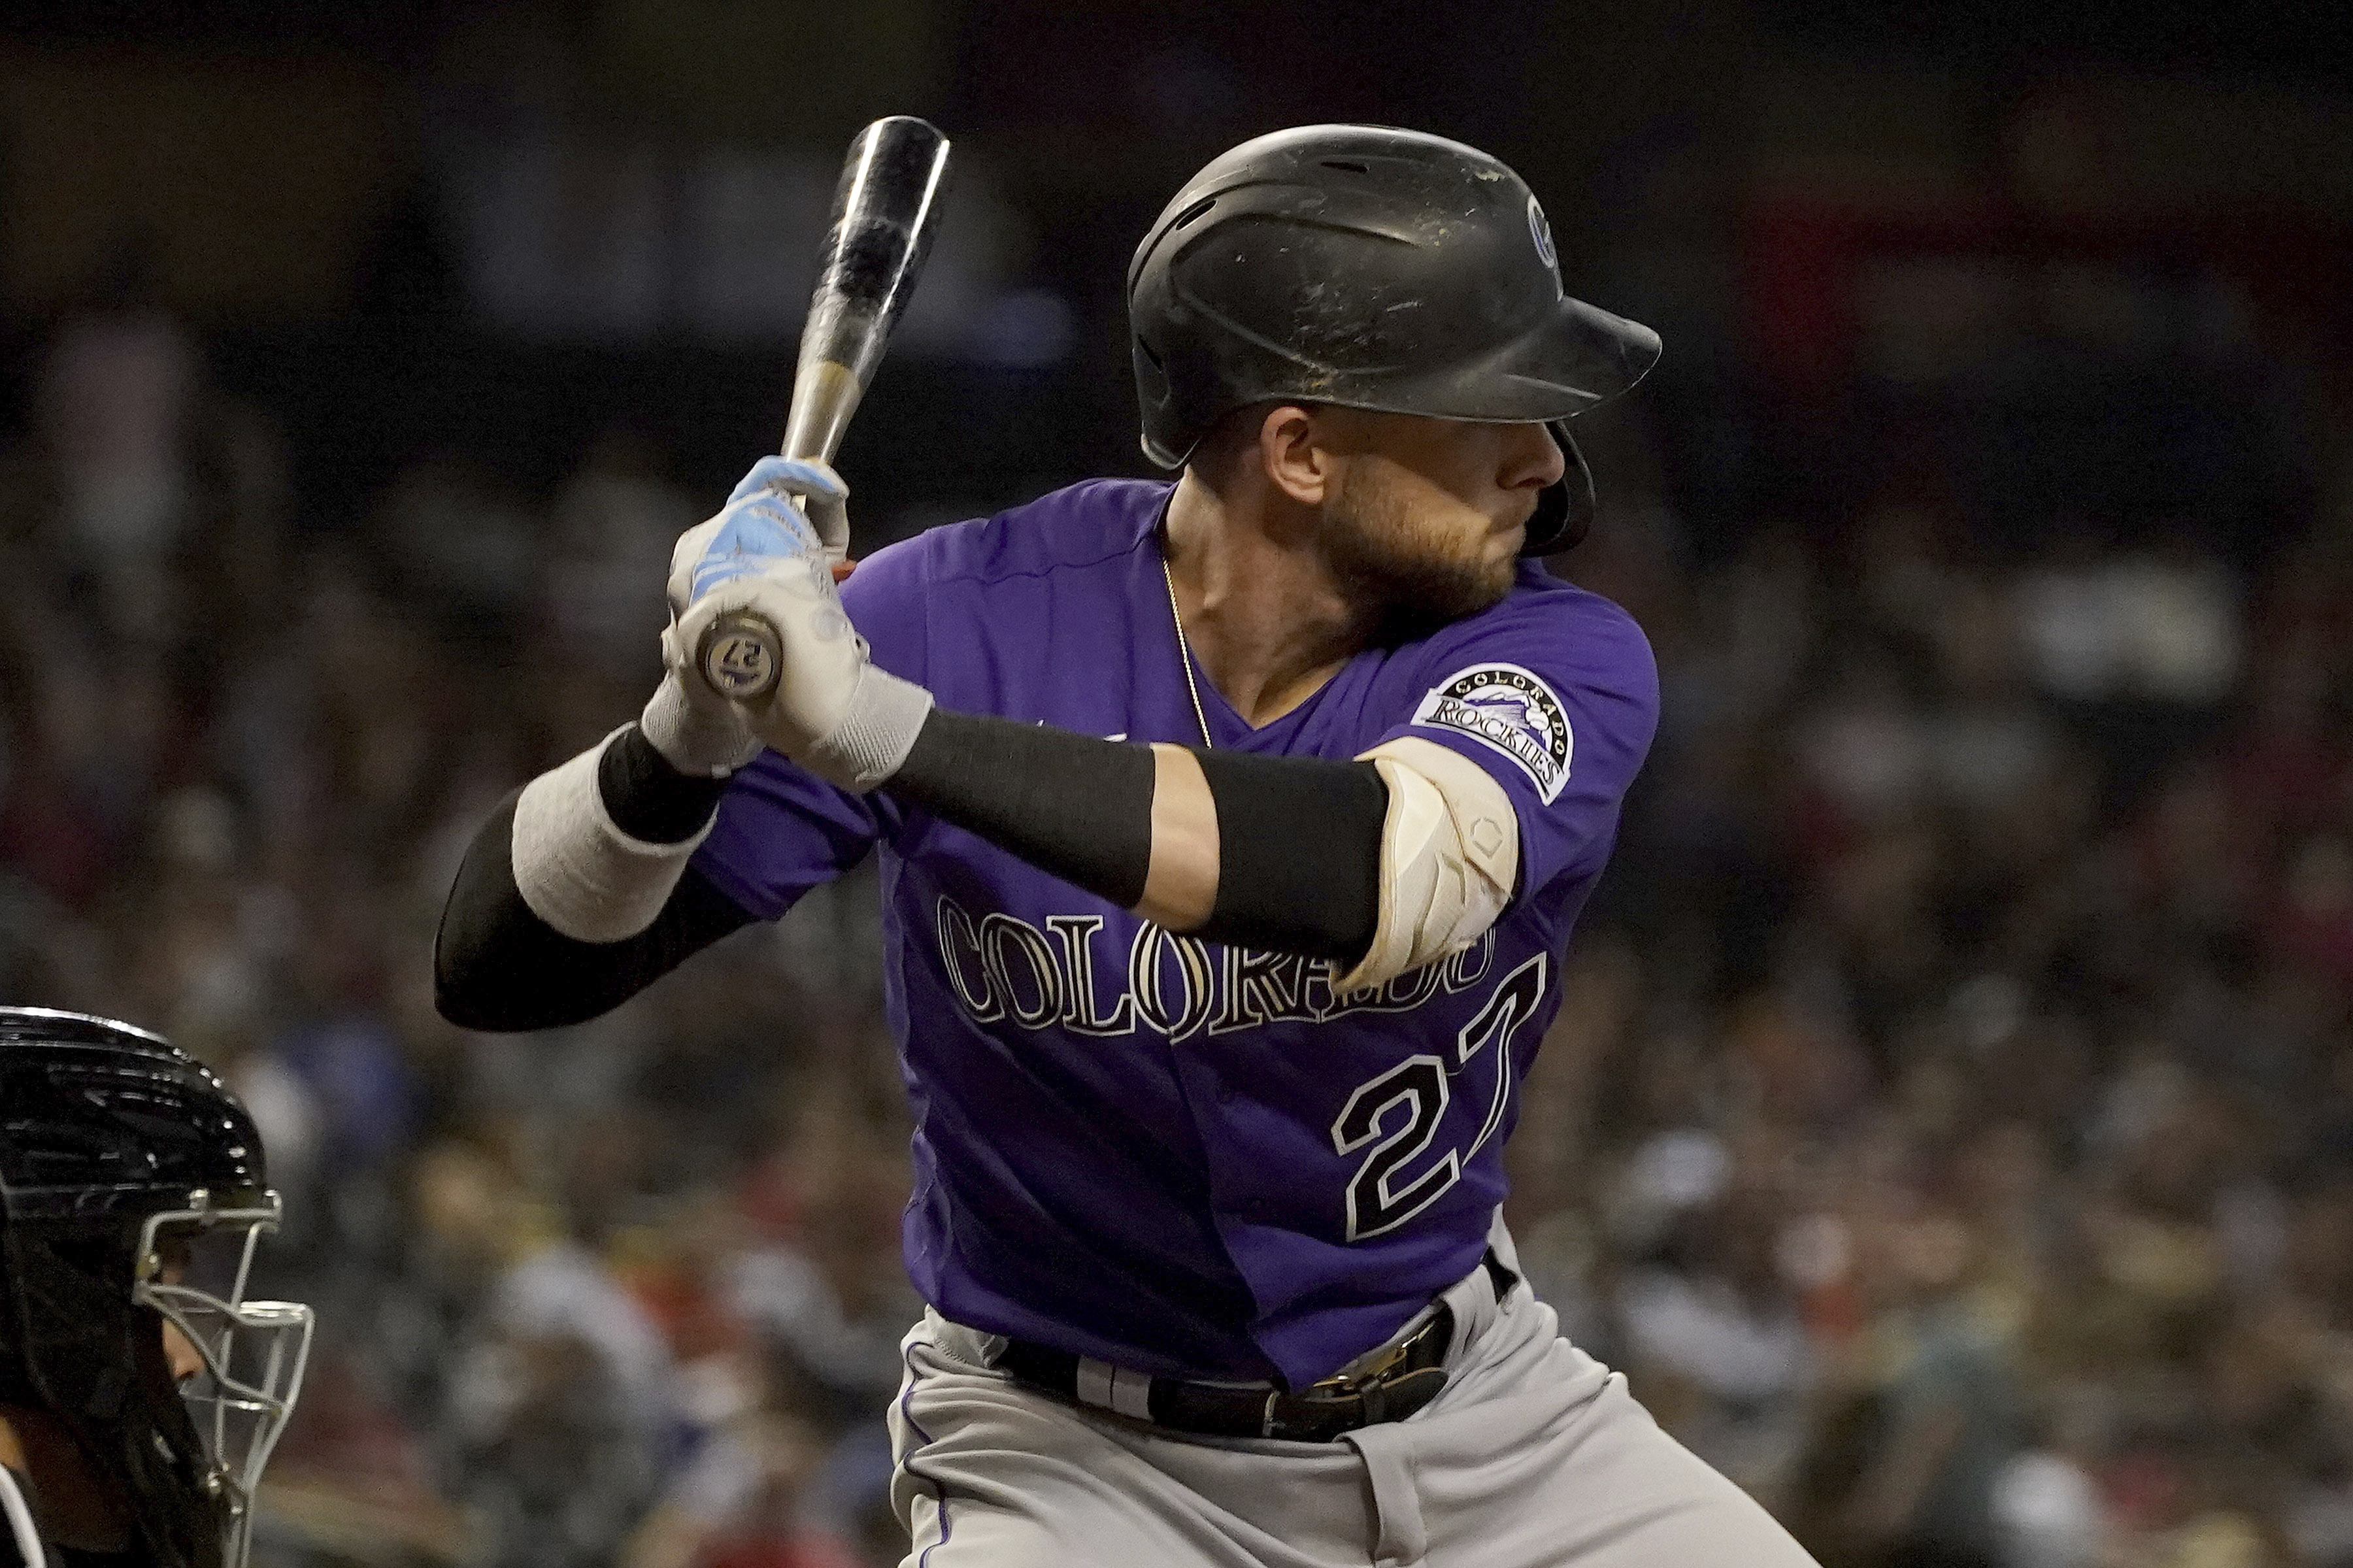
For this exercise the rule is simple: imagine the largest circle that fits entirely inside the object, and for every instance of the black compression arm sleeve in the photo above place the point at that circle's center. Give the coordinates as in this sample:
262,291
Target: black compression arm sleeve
1298,837
497,965
1071,805
648,799
1299,852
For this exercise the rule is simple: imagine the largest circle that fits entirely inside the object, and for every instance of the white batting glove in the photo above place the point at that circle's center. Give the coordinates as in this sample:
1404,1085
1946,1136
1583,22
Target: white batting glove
696,731
831,710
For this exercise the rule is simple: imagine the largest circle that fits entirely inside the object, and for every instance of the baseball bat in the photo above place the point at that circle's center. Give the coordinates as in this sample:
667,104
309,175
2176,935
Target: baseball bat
874,247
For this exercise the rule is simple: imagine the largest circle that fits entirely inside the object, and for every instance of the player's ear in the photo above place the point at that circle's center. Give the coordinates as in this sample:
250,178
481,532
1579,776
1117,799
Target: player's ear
1297,460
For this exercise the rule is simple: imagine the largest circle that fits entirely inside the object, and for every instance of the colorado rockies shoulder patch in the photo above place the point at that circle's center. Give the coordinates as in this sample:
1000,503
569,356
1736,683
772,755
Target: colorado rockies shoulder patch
1514,712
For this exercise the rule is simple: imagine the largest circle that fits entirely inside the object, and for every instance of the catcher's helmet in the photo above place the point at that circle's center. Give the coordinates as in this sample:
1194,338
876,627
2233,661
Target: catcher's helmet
132,1191
1377,268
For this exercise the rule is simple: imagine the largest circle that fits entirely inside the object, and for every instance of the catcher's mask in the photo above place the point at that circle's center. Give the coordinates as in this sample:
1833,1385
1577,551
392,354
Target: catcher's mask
132,1192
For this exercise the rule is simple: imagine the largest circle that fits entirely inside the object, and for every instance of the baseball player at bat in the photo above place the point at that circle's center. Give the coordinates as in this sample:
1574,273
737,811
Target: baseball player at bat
1232,830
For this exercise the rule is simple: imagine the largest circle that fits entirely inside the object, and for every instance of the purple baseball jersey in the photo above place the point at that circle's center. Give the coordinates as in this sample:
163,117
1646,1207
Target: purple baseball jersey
1179,1157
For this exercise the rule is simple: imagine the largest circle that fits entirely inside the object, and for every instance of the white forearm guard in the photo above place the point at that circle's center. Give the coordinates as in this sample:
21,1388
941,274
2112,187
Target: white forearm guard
1450,854
576,869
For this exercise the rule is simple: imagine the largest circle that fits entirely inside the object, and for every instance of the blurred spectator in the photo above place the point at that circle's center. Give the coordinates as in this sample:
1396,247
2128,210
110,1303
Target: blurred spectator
115,402
1714,1340
736,1504
614,524
1930,1415
831,1295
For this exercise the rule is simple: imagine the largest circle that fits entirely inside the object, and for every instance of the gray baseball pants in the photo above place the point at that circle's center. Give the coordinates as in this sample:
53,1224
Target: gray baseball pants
1533,1455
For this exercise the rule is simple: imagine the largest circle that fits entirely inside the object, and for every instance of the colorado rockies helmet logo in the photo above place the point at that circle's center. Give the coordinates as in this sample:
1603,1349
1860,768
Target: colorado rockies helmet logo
1541,232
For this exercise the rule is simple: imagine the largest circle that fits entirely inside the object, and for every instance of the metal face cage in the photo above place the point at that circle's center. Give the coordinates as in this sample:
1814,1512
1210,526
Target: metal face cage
193,1265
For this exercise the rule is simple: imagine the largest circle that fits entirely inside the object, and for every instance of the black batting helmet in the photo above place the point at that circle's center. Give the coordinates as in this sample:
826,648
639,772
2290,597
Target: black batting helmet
131,1193
1371,267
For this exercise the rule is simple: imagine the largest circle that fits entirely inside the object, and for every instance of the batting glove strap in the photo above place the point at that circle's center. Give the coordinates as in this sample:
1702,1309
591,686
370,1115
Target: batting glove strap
876,731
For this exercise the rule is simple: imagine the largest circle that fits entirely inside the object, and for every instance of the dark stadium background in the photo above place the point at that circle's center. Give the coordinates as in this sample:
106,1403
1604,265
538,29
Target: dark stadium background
1950,1126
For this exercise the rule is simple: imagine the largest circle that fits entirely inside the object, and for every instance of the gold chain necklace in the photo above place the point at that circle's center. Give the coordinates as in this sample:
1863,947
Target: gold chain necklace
1185,651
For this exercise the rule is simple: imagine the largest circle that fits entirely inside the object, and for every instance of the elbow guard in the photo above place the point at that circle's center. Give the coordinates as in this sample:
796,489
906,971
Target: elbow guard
1450,859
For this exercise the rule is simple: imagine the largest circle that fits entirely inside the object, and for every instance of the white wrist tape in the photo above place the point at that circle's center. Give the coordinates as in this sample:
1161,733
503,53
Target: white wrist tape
576,869
1450,854
876,731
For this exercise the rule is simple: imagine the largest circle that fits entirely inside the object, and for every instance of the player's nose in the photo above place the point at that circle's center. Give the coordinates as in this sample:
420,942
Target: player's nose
1531,458
180,1352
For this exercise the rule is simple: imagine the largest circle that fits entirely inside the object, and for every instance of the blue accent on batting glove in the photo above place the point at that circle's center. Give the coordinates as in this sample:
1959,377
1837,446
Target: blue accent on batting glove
790,475
762,523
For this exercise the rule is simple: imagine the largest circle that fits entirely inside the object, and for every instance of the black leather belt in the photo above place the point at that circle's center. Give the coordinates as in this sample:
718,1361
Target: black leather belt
1409,1378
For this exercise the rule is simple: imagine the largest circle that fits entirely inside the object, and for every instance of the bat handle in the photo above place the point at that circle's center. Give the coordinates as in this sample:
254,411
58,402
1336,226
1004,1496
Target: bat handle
740,655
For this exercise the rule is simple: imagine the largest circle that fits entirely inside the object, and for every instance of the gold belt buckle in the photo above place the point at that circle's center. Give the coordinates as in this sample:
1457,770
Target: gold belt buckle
1343,1386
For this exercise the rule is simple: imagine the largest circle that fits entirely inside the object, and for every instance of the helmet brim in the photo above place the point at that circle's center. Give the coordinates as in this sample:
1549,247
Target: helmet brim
1580,358
1577,358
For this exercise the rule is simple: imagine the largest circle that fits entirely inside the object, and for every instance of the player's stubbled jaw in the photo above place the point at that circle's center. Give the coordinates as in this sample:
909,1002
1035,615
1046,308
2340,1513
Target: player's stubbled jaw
1404,546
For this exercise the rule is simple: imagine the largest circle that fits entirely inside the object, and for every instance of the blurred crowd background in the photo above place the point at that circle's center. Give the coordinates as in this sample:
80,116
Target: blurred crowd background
1950,1126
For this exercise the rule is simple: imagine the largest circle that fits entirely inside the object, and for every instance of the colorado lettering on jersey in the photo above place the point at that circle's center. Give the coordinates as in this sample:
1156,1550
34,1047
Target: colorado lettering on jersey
1511,711
1003,968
